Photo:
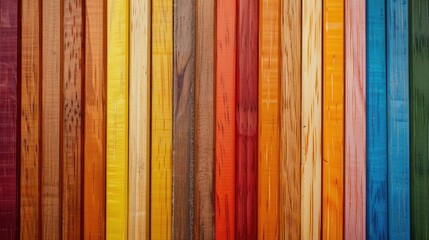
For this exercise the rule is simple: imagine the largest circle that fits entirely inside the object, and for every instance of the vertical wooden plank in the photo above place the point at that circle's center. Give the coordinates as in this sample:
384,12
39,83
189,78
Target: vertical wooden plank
183,124
290,121
94,202
246,194
333,120
30,178
8,119
204,120
398,119
419,90
162,70
311,120
139,171
117,120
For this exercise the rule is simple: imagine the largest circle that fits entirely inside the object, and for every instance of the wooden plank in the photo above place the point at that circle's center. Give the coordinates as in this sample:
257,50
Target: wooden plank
376,131
398,180
204,120
419,96
311,120
290,121
333,120
183,124
161,138
117,120
139,170
9,137
30,179
246,194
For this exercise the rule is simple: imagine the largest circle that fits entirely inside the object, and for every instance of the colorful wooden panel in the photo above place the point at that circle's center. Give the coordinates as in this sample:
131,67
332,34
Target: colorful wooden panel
117,120
419,97
246,194
311,120
398,120
268,119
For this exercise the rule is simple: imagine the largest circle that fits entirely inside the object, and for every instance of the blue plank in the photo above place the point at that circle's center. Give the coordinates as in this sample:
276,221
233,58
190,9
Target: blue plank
398,120
376,122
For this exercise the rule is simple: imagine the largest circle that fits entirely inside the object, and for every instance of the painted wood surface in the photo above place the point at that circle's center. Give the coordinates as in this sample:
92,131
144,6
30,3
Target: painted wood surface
225,119
290,121
311,120
246,194
398,120
376,131
268,119
94,176
204,120
162,114
419,97
139,112
183,116
117,120
9,102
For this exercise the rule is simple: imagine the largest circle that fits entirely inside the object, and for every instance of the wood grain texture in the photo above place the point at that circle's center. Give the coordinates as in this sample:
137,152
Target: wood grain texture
30,179
204,120
419,97
225,119
117,120
162,114
94,176
268,119
398,119
376,131
9,102
333,120
311,120
290,121
139,138
246,194
183,118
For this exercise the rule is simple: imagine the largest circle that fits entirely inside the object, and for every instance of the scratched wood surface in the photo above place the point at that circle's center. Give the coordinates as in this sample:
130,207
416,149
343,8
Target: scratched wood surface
246,194
94,148
419,97
139,112
117,120
9,101
290,121
268,119
311,120
398,119
183,124
204,120
333,120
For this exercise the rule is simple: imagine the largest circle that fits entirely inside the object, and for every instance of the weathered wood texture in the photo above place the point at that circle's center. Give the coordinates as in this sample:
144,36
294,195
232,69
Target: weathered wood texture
204,120
311,120
398,119
419,96
268,119
183,118
290,121
246,194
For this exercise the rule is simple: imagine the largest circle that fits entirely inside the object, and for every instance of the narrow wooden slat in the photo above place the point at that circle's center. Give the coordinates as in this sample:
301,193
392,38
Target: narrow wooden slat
117,120
333,120
311,120
94,203
398,120
290,121
204,120
183,124
419,84
246,194
161,132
